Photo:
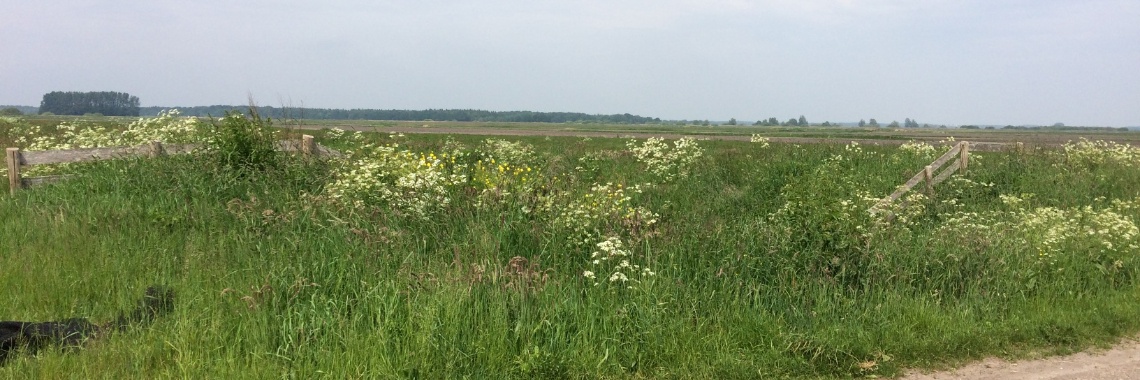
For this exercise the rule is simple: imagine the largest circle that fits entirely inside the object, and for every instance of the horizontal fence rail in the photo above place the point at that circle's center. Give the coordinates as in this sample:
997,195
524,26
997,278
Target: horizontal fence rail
16,158
960,154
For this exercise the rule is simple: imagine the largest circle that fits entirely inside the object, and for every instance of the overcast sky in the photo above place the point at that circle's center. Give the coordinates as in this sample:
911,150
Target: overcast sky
936,61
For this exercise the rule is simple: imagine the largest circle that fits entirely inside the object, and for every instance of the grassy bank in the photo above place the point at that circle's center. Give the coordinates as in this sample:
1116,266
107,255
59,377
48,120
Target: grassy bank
741,260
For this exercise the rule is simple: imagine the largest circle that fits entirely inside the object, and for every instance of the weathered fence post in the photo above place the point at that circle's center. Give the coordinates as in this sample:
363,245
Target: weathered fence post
17,158
14,180
960,152
928,175
156,149
965,160
308,145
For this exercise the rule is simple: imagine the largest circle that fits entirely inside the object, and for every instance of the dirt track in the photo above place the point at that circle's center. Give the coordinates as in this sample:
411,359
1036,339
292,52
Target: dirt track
1120,362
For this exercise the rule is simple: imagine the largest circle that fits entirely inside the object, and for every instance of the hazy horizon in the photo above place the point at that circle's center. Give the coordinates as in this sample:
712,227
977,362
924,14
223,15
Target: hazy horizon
939,62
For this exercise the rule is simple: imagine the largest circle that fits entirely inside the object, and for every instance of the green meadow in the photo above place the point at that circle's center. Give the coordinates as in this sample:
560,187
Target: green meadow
436,256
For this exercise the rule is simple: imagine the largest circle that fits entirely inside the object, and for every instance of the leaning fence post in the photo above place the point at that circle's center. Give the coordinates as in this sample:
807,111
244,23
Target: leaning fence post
965,155
156,149
308,145
14,180
928,175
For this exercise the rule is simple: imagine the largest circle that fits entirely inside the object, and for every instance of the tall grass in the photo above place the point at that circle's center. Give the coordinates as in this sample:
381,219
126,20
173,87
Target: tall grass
766,265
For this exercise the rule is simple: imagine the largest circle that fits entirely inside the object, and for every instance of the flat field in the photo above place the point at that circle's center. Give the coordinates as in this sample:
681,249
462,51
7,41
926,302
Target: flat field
991,139
454,255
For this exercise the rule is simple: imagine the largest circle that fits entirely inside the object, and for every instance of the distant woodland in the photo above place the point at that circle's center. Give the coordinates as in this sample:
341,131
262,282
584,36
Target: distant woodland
412,115
107,103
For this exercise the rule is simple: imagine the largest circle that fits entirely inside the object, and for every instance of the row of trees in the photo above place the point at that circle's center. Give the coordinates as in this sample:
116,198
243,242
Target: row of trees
111,103
793,122
108,103
770,122
415,115
908,123
802,122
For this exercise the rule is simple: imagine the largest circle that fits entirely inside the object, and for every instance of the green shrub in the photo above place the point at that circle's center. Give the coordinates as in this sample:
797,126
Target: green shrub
243,143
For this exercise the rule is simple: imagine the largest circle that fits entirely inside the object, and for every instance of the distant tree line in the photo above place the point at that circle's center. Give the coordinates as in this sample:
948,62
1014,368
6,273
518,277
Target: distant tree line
1061,127
107,103
793,122
9,110
413,115
907,123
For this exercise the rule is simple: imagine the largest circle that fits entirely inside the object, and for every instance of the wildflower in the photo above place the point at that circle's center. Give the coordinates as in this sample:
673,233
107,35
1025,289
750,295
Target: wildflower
626,272
763,141
1087,152
1101,234
918,149
395,178
605,205
664,161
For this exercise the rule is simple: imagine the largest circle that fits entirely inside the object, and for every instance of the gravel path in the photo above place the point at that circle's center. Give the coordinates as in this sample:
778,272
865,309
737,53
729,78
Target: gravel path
1120,362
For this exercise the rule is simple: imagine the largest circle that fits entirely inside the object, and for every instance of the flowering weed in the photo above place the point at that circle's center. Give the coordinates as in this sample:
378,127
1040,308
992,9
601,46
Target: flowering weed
606,209
1088,153
761,140
416,184
667,161
614,265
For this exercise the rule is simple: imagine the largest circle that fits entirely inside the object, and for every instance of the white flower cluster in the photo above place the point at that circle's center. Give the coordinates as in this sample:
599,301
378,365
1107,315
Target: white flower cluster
1100,152
1106,233
852,152
763,141
665,161
167,127
918,149
613,258
357,145
70,136
605,209
335,133
515,153
415,184
1015,201
1126,207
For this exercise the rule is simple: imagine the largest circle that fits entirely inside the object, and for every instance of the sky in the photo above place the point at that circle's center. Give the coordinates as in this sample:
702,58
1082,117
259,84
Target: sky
985,62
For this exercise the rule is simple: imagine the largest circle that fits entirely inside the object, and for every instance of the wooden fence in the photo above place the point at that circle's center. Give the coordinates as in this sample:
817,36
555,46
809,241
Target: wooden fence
958,156
17,158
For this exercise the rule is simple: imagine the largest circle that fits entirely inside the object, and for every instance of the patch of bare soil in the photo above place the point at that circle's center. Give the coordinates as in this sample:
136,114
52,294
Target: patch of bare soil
1119,362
